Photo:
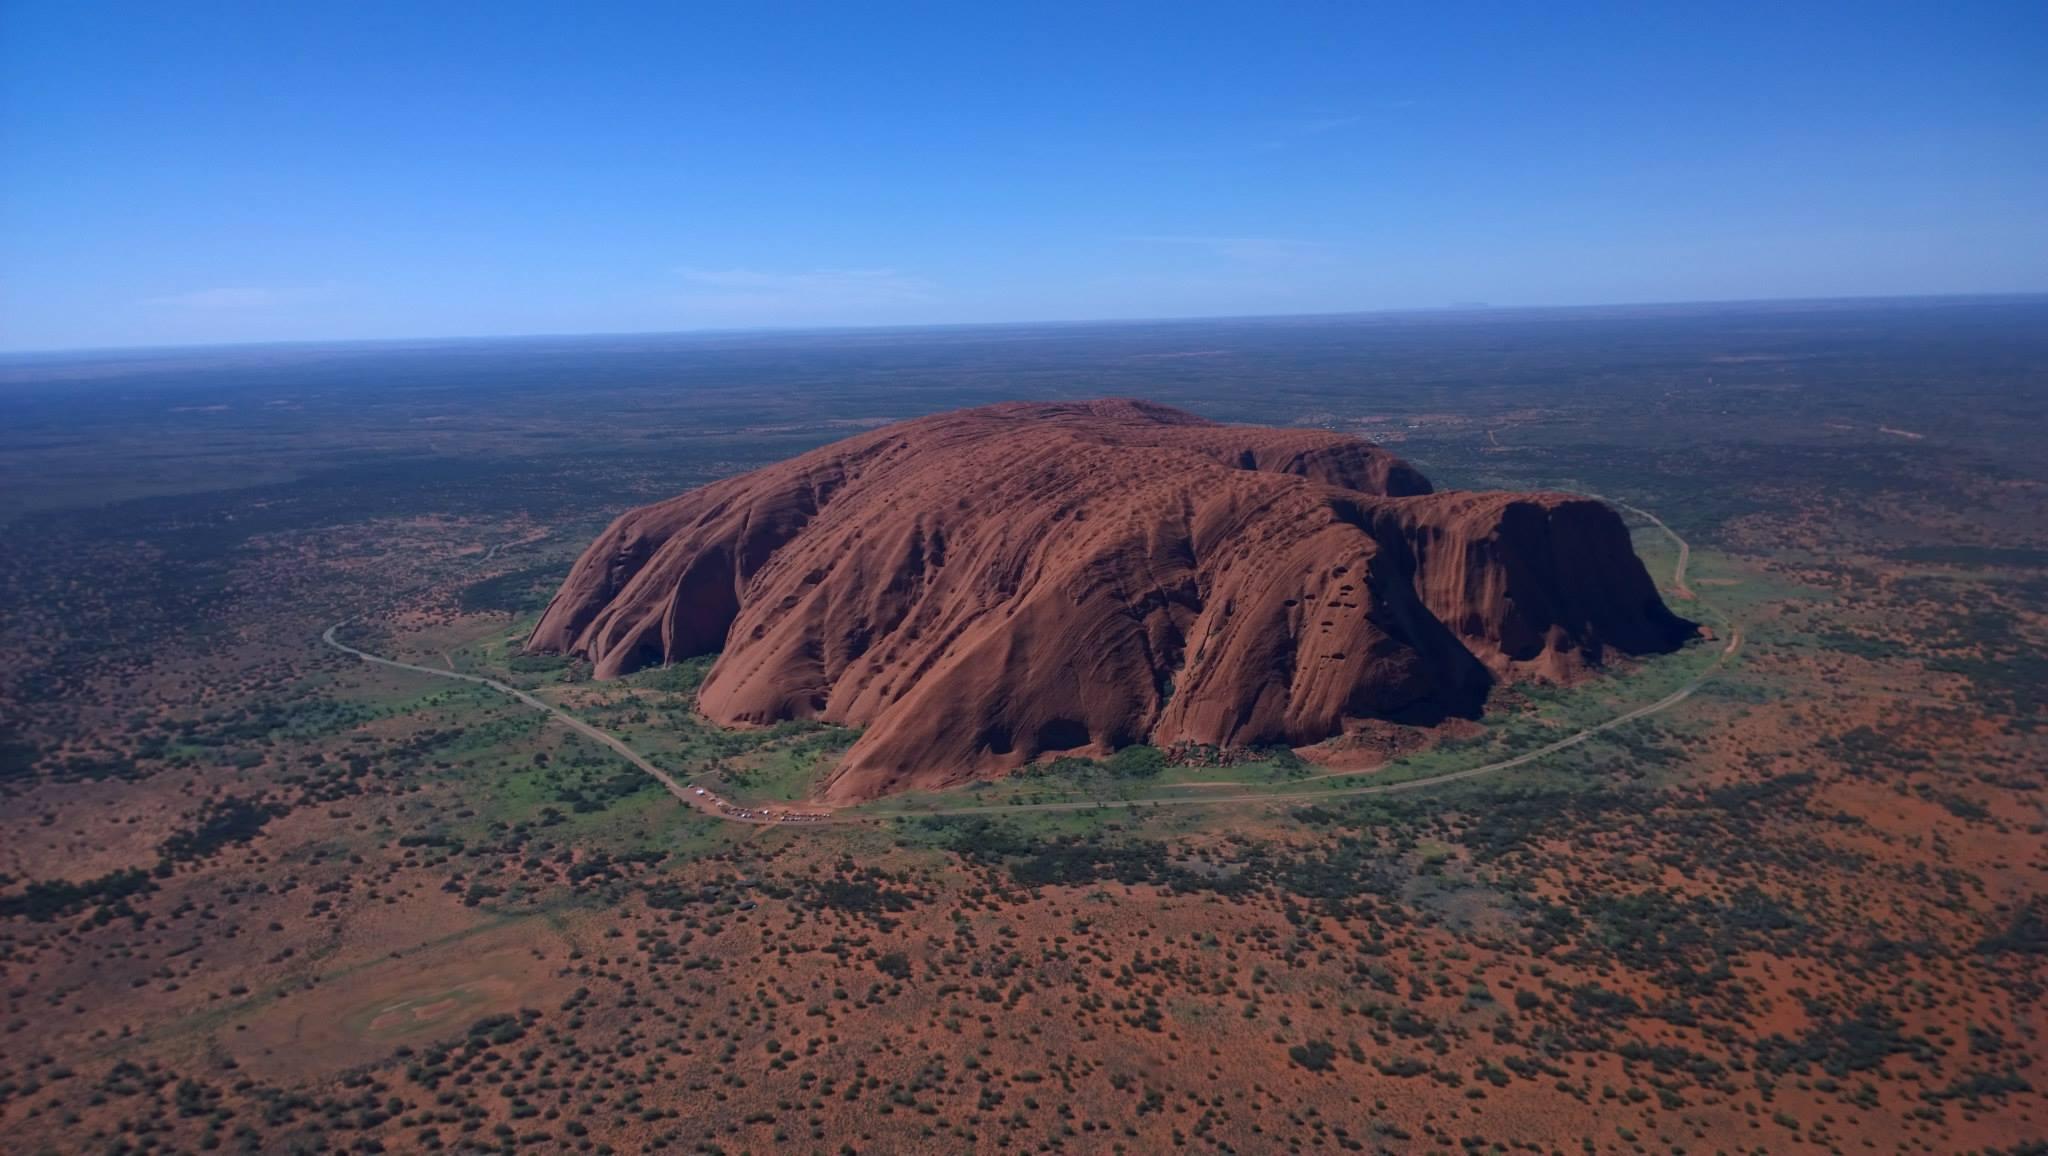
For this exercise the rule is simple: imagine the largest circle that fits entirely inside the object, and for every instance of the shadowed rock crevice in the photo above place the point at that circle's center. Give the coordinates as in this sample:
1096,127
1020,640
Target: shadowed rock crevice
979,588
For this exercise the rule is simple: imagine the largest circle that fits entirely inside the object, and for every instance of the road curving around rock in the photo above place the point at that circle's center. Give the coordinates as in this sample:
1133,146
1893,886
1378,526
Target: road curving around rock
710,804
706,803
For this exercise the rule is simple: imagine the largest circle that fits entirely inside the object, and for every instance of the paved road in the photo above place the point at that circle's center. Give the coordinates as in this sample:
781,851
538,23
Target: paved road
1684,548
710,806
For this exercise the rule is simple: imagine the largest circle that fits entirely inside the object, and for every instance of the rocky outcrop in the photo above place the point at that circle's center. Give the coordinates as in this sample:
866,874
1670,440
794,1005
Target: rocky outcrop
979,588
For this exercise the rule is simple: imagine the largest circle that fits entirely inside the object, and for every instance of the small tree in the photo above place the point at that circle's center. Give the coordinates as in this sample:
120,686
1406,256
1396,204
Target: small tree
1314,1055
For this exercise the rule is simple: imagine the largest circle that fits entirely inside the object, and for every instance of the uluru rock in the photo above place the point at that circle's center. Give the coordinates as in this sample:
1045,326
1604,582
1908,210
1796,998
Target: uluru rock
980,588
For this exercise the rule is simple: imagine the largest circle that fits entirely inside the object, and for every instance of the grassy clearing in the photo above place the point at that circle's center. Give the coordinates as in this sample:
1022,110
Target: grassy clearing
784,770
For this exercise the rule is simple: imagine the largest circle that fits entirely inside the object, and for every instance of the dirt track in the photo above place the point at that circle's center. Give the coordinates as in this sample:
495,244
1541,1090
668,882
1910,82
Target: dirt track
667,782
1665,703
1678,585
709,805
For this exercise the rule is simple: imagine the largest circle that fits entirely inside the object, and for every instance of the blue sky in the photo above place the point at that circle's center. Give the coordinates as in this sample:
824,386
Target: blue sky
201,172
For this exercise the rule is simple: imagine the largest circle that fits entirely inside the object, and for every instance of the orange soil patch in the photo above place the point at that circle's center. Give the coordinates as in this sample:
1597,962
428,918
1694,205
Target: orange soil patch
431,993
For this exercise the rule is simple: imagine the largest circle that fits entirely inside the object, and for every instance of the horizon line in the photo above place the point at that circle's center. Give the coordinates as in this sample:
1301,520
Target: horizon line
1464,308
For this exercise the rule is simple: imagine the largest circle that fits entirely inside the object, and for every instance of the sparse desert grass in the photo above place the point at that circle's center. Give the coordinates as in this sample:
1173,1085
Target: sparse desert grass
262,898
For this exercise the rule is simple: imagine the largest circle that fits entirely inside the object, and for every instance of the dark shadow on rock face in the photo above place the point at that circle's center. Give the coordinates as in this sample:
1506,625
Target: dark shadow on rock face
980,588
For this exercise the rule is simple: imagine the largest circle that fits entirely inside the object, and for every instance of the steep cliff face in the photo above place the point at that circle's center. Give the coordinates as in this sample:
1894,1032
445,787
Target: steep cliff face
979,588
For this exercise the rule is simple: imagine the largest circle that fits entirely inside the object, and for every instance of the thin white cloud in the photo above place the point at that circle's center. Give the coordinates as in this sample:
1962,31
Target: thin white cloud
805,296
233,298
1318,125
1249,250
1303,131
1288,133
